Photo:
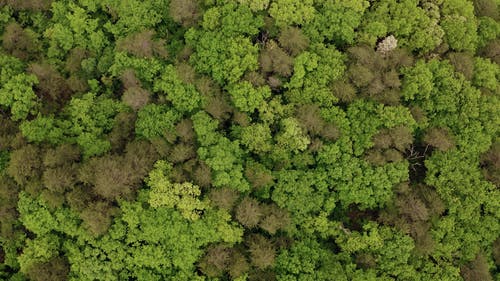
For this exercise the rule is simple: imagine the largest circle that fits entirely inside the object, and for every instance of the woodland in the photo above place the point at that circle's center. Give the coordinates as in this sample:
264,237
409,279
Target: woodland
274,140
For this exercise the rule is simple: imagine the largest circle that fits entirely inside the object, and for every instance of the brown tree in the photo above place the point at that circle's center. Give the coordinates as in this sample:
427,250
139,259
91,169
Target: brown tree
129,79
185,131
53,199
123,131
344,91
110,177
186,72
61,155
249,212
463,63
56,269
255,78
487,8
262,251
97,217
184,12
382,140
274,219
140,157
202,175
476,270
79,198
136,97
273,59
25,164
431,198
8,131
492,51
59,179
218,107
51,84
258,175
391,79
181,152
411,206
310,119
19,42
360,75
420,232
401,137
392,155
375,157
75,58
496,251
216,260
293,40
440,138
490,163
238,265
223,198
8,204
142,44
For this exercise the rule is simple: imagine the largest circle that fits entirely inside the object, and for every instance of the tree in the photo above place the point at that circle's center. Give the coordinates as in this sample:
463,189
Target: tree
222,155
156,121
492,51
312,75
345,92
184,97
308,259
43,129
488,76
257,137
182,196
412,26
256,5
146,244
336,21
248,98
290,12
59,179
226,59
291,136
460,32
460,25
17,92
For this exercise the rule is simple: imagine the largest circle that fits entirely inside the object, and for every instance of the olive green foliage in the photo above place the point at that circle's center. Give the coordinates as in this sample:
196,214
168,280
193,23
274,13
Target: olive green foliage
287,140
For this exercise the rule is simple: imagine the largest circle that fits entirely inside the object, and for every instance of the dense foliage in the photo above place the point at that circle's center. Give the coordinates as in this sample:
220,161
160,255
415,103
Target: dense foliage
286,140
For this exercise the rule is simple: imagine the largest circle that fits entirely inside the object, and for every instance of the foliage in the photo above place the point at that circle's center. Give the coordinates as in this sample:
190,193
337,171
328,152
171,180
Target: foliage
249,140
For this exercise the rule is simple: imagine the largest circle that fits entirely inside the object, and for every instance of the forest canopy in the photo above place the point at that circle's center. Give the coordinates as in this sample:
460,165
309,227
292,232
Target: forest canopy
285,140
